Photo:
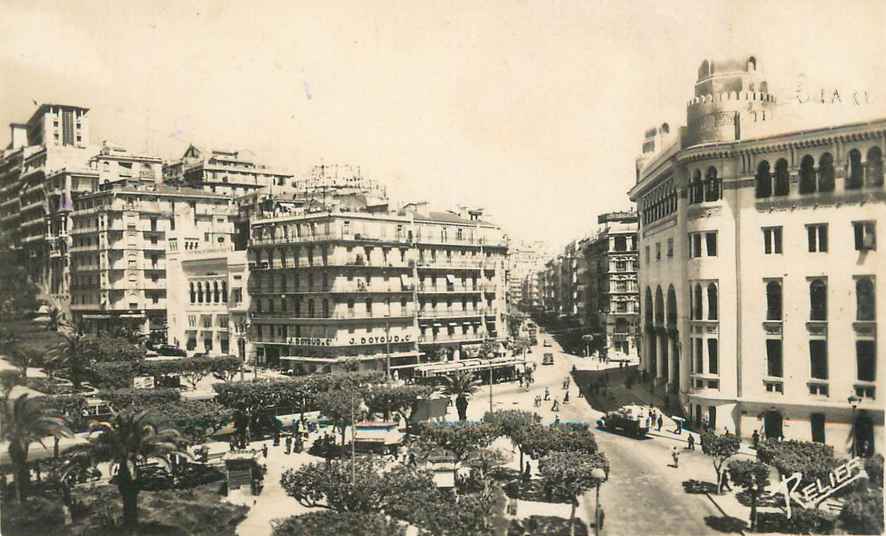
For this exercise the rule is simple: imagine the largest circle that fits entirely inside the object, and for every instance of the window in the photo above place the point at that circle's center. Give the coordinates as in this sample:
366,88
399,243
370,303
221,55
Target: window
864,299
854,180
807,175
670,252
237,295
711,244
713,365
647,254
865,353
875,167
695,245
621,243
696,190
772,240
133,305
865,235
818,359
192,321
773,300
699,355
817,237
816,420
826,173
711,185
818,300
697,303
712,302
763,180
782,178
658,251
773,358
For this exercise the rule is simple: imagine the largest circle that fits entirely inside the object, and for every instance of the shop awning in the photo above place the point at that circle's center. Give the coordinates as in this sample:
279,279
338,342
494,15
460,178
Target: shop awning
450,279
404,280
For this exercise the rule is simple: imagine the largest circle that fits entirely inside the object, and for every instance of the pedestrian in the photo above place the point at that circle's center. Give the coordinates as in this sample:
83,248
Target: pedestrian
675,454
264,450
679,427
556,406
412,462
660,422
755,437
566,398
289,444
547,394
691,442
527,473
556,421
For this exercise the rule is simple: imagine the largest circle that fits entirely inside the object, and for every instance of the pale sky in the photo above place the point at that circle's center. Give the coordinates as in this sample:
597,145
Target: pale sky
533,110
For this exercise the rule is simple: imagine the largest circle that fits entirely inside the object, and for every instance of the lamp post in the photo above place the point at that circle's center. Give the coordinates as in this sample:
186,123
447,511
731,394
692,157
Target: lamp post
854,401
599,475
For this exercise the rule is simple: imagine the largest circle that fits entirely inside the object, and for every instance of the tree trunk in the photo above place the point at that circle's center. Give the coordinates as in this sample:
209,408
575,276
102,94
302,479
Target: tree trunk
130,505
754,512
22,475
572,518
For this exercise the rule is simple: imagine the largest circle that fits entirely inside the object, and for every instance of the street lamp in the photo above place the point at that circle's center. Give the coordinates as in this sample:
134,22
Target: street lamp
599,475
854,401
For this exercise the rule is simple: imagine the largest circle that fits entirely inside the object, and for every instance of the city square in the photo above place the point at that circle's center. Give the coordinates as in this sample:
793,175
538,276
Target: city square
426,270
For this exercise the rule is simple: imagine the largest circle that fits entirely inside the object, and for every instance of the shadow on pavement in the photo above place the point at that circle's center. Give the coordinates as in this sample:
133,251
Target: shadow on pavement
697,487
725,524
546,525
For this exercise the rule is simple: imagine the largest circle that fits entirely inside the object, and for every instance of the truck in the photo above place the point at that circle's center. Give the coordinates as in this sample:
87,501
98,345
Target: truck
629,420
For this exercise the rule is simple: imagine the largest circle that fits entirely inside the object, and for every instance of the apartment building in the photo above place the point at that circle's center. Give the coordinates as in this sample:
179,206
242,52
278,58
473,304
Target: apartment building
121,236
760,271
384,288
612,297
42,168
224,172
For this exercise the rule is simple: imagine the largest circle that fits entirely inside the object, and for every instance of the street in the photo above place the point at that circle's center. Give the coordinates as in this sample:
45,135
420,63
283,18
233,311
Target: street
644,494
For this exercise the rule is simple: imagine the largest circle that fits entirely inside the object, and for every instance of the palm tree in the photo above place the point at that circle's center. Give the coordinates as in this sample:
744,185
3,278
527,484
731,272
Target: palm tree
72,354
26,420
461,385
128,440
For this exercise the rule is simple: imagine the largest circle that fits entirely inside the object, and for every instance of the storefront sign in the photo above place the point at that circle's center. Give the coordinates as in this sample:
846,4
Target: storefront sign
381,339
811,495
310,341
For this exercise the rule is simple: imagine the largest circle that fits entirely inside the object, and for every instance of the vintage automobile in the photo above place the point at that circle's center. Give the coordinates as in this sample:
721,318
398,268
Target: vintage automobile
630,420
547,359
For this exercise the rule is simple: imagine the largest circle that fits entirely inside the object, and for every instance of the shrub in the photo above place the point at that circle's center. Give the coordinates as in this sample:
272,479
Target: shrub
140,398
863,512
813,460
337,524
37,515
873,466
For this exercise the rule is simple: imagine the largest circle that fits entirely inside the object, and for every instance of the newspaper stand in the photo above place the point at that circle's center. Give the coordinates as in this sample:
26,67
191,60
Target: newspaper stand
377,436
243,470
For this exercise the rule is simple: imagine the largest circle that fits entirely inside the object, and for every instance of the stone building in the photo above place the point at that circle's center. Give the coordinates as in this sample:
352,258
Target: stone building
760,272
380,287
223,172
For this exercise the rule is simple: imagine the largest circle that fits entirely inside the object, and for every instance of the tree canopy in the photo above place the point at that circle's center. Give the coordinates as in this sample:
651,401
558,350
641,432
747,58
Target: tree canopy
339,524
813,460
538,441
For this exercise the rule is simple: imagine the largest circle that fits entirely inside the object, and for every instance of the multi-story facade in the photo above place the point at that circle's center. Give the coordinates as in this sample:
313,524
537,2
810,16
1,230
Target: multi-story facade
523,259
120,239
208,311
223,172
375,286
760,275
43,167
612,298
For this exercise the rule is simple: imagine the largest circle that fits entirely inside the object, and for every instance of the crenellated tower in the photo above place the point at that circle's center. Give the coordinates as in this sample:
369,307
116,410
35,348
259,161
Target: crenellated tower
730,97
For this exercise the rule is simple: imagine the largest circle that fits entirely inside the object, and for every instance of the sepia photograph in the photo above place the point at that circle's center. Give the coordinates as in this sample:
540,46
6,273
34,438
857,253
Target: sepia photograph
442,268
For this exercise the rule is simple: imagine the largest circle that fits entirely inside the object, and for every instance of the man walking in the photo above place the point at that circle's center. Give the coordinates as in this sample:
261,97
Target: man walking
547,394
660,422
675,454
289,444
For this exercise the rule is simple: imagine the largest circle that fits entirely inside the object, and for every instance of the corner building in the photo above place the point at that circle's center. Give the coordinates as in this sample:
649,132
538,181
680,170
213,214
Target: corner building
761,279
410,287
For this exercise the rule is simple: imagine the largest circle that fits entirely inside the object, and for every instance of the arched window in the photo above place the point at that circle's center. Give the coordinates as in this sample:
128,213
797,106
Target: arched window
712,302
875,167
864,299
773,300
697,303
325,308
818,300
782,177
711,185
200,292
672,306
854,180
311,308
659,306
695,191
764,180
193,293
826,173
649,310
807,175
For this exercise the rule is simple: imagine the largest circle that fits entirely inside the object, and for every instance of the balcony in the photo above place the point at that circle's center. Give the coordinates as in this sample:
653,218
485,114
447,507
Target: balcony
454,313
449,264
817,328
337,316
449,289
448,339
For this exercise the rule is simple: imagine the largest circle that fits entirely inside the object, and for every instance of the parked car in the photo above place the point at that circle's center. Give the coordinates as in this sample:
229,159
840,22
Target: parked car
547,343
547,359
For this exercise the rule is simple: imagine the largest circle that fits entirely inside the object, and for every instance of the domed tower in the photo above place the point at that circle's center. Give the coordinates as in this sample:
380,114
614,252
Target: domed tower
729,94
